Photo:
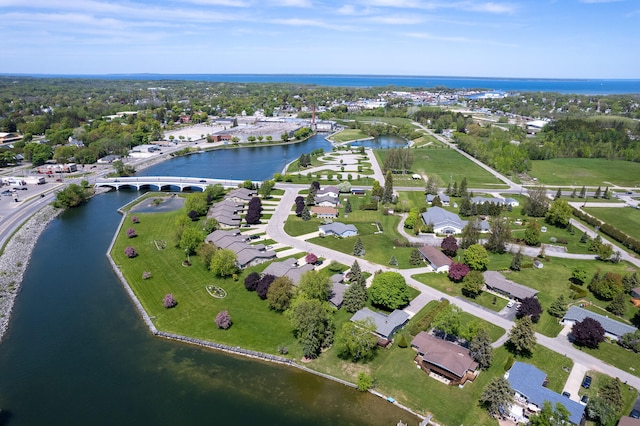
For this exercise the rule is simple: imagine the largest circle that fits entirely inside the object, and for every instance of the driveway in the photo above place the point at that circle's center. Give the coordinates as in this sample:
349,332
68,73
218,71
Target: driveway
574,382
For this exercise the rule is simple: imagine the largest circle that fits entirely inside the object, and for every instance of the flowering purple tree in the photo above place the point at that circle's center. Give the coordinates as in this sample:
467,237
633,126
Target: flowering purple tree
135,219
130,252
223,320
131,233
169,301
457,271
449,246
311,258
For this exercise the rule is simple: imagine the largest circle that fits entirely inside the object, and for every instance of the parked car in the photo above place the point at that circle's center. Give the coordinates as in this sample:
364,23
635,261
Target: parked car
6,192
586,383
567,394
511,304
584,399
635,414
254,237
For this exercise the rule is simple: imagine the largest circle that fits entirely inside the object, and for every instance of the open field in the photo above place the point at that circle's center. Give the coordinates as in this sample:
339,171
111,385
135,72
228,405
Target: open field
447,165
626,219
586,171
348,135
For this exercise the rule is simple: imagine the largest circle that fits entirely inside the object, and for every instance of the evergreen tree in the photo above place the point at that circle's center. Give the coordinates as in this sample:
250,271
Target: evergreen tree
559,307
497,395
347,206
618,305
583,192
558,193
522,339
465,207
310,200
355,297
598,193
358,248
462,191
606,195
470,234
516,261
416,258
387,195
355,272
448,191
480,349
393,261
306,215
630,282
454,190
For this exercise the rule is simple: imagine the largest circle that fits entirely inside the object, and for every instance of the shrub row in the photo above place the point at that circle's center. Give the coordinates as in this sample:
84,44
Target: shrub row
610,230
425,322
577,292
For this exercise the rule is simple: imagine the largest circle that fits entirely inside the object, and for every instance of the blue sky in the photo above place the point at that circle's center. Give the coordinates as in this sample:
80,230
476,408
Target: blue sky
519,38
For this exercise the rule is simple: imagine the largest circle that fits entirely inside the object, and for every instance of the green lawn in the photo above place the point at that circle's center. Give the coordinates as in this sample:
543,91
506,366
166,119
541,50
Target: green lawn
586,171
255,326
616,355
626,219
447,165
629,395
349,135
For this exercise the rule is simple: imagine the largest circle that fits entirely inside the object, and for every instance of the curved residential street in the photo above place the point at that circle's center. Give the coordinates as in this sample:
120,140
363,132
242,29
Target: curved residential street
559,344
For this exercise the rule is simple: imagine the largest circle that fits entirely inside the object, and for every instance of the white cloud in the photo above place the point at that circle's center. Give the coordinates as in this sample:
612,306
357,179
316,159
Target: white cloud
229,3
396,20
298,22
291,3
458,39
599,1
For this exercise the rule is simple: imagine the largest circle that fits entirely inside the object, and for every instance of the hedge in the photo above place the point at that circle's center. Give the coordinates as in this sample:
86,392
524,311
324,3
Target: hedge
425,322
609,230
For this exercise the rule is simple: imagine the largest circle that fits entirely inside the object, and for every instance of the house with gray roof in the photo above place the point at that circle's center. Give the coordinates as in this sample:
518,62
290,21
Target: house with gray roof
338,229
386,325
444,198
445,359
330,191
337,290
241,194
326,201
443,221
226,212
439,261
528,382
497,282
288,268
612,329
247,254
635,293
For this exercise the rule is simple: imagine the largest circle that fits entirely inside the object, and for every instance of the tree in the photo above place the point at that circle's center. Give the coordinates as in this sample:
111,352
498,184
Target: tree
209,225
393,261
605,251
254,211
251,281
559,307
583,192
530,307
347,206
606,287
310,200
415,258
357,340
618,305
355,297
579,275
448,320
191,239
130,252
387,194
389,290
376,190
365,382
224,263
169,301
481,350
122,169
587,332
462,190
311,258
223,320
516,260
313,327
266,188
522,339
499,236
537,203
72,196
559,213
449,246
315,285
558,194
306,215
600,410
457,271
131,233
549,416
630,281
497,395
476,257
358,248
299,205
264,284
466,209
598,193
470,234
532,233
197,202
280,293
473,283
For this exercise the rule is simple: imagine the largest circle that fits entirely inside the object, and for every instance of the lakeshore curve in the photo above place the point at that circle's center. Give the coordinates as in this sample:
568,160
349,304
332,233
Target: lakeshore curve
234,350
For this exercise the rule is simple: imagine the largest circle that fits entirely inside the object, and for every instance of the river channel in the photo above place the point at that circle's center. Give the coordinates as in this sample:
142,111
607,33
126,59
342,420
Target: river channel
76,352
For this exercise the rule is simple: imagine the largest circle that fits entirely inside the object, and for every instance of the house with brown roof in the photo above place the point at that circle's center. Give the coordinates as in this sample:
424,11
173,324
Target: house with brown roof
439,261
451,362
325,212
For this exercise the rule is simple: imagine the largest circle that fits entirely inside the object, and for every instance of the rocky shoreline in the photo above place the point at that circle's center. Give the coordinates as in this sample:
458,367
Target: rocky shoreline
15,259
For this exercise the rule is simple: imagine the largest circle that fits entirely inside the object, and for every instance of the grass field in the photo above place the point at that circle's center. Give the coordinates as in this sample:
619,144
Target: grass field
629,395
447,165
586,171
626,219
348,135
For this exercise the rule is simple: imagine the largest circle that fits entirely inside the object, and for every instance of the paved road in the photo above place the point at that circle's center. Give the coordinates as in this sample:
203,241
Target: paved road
560,344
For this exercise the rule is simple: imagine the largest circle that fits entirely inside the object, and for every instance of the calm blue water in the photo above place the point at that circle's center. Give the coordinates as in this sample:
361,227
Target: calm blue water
581,86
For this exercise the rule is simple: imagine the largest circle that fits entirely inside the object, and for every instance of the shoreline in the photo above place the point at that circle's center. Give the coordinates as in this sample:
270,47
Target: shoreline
15,260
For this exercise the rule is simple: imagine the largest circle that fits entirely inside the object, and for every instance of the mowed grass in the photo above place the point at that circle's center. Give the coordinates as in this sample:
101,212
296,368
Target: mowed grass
626,219
586,171
348,135
255,326
448,165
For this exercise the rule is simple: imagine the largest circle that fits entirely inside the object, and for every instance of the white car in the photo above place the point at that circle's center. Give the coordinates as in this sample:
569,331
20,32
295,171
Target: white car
510,304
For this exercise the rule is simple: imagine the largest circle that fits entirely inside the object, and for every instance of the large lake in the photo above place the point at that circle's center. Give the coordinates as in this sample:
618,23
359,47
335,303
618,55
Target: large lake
77,353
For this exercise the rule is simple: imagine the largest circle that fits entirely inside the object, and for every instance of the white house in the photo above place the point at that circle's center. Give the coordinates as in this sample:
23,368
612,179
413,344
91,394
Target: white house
338,229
